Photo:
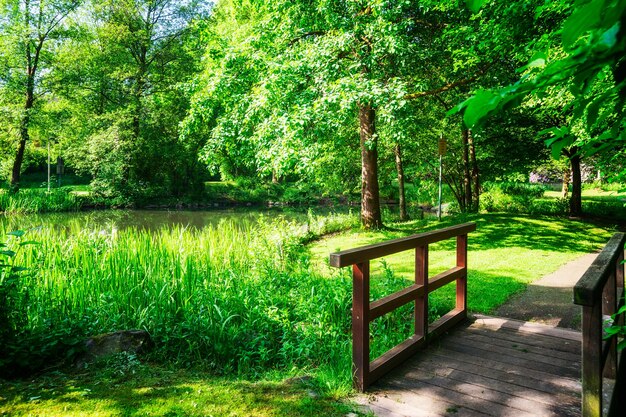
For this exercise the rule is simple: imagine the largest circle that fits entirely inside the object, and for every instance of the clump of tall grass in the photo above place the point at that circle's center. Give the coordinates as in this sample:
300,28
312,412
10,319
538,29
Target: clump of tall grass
38,201
234,299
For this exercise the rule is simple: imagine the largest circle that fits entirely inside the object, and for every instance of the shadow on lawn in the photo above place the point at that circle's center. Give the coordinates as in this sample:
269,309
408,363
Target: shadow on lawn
159,393
502,230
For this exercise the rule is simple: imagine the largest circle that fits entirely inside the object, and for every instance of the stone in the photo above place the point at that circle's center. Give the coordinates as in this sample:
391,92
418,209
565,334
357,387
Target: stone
129,341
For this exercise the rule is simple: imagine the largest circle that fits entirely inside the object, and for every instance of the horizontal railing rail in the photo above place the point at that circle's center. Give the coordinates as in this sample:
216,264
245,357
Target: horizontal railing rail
364,311
600,292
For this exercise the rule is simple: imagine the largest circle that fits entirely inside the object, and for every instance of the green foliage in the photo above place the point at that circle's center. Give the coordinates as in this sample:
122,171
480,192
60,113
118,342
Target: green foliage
590,68
520,189
121,386
38,201
510,197
615,330
230,299
22,348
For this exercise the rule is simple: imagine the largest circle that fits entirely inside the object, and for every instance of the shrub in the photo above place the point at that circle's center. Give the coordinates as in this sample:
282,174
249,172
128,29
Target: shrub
509,197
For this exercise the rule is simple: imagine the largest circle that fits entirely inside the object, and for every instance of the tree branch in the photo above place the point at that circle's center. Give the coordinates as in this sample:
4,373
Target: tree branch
306,35
447,87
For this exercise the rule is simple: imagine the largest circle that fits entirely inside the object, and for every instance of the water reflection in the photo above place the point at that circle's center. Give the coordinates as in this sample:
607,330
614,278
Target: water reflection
153,219
157,219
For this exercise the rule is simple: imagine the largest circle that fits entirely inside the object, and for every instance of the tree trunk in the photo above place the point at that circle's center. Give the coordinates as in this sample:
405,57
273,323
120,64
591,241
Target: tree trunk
575,203
370,200
566,182
16,172
402,196
467,181
474,174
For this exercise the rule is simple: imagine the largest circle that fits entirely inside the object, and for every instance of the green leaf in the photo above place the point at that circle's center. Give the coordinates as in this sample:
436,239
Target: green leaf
17,233
30,242
594,109
480,107
474,5
609,38
7,252
621,345
582,19
537,60
611,331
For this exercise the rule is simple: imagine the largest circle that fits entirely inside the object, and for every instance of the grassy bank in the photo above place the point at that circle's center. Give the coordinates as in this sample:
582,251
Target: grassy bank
252,303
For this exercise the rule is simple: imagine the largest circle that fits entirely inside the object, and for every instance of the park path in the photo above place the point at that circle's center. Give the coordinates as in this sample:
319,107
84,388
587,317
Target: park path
549,299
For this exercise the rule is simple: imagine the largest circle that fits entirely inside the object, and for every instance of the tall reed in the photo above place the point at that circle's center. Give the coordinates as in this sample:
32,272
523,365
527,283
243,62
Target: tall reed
37,201
232,298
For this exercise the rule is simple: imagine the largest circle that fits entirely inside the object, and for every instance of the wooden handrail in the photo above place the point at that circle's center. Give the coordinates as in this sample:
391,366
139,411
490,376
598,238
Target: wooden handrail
600,292
364,311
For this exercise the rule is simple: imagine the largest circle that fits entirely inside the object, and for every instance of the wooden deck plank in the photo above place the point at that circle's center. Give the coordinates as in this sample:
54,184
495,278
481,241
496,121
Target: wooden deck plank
527,392
409,404
466,399
493,367
508,356
522,349
564,384
492,393
524,381
563,346
528,327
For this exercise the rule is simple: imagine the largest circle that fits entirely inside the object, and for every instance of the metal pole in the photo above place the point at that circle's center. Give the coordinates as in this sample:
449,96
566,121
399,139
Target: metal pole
48,165
440,186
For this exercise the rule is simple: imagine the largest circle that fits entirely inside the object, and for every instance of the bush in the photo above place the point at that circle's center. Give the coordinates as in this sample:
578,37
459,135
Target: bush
510,197
520,189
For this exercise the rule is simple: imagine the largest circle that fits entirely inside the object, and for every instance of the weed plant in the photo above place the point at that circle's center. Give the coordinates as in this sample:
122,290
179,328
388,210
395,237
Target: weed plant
232,299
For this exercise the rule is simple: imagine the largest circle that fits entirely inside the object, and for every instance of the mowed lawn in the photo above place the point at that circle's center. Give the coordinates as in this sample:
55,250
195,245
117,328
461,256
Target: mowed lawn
506,252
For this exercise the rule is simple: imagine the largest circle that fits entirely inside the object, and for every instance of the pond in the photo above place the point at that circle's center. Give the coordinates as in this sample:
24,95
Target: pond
198,219
157,219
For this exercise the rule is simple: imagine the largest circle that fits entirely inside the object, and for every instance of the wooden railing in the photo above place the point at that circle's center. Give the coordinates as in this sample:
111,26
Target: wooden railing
600,292
364,311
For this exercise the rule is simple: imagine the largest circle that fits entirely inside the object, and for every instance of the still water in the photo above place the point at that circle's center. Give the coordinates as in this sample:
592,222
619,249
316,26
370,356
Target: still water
156,219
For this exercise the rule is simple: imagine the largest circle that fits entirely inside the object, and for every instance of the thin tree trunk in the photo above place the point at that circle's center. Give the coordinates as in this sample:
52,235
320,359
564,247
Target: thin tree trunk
474,174
370,199
402,196
575,204
467,181
16,172
566,182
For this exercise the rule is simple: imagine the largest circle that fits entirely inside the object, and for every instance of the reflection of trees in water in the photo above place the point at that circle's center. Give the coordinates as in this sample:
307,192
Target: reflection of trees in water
155,219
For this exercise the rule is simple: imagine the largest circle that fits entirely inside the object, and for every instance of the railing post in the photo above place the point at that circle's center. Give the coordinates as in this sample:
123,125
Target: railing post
360,324
591,365
461,283
421,303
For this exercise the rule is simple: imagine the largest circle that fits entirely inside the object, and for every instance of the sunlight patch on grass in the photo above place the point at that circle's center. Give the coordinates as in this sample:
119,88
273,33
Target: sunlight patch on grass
506,252
156,391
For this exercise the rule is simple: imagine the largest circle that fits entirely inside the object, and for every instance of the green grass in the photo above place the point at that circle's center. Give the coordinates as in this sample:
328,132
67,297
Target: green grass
128,388
593,194
232,299
506,252
248,302
39,200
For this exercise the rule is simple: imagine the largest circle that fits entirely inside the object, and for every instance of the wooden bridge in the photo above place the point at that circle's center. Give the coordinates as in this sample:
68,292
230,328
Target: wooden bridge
486,365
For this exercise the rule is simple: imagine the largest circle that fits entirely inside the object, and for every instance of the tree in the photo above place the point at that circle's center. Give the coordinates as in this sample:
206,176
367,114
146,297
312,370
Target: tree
126,80
309,75
591,66
29,33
